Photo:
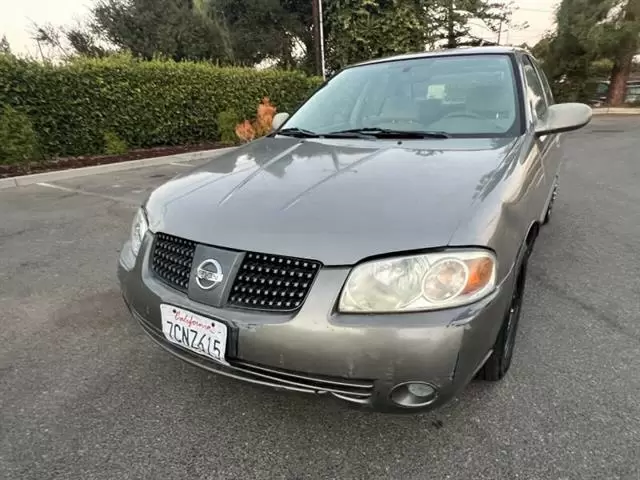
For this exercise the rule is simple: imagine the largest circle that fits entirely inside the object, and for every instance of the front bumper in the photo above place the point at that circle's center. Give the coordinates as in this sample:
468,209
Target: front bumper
357,358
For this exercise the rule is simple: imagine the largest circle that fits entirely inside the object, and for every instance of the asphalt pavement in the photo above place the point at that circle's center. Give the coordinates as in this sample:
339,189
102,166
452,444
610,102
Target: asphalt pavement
85,395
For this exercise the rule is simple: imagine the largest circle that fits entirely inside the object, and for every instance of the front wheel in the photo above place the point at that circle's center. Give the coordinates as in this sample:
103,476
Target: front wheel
497,365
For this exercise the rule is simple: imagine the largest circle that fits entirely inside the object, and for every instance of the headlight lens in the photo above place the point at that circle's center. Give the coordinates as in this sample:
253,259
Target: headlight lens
138,230
420,282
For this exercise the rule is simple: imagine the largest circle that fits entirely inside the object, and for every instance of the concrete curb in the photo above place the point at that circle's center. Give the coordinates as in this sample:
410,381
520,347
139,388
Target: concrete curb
616,111
7,183
110,167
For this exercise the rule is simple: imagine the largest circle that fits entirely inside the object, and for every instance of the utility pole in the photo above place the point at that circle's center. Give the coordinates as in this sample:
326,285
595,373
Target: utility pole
315,9
321,23
318,36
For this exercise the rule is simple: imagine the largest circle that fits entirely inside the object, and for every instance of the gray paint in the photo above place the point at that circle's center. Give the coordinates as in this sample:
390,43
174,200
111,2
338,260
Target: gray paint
341,201
336,201
564,117
444,347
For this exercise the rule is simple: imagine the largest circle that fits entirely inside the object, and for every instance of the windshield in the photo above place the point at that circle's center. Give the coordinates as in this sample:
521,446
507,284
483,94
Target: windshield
462,95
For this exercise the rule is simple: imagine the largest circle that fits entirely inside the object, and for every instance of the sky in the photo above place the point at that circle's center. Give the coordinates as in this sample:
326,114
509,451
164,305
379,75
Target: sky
17,18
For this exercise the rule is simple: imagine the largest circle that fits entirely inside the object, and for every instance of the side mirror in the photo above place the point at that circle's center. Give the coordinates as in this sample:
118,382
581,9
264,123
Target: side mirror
278,120
564,117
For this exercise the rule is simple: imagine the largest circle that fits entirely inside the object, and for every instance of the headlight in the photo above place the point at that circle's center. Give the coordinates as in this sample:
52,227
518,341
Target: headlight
138,230
420,282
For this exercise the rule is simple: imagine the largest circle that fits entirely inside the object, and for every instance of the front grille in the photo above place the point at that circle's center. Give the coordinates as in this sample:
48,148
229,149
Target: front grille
171,260
272,282
263,282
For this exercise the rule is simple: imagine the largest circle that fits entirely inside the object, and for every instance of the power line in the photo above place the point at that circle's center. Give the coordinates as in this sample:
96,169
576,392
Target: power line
541,10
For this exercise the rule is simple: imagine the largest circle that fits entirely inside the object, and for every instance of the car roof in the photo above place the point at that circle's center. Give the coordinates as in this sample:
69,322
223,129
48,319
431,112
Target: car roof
489,50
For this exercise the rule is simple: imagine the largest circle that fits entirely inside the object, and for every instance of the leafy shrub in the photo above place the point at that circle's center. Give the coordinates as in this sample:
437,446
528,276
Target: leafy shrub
113,144
149,103
227,122
248,130
18,140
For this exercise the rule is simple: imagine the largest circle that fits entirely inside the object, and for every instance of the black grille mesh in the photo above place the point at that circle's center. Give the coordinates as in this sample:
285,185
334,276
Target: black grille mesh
272,282
263,282
172,258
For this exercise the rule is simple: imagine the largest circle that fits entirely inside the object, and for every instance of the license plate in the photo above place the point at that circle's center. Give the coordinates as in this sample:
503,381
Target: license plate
194,332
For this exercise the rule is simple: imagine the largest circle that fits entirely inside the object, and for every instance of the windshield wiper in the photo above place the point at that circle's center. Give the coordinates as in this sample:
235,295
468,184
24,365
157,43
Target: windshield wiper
390,133
349,134
297,132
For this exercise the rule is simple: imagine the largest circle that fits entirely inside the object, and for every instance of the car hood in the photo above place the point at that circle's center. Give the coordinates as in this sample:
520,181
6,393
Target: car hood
336,201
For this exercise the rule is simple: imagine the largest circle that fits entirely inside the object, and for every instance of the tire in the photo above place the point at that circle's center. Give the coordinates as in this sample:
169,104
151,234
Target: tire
554,194
497,365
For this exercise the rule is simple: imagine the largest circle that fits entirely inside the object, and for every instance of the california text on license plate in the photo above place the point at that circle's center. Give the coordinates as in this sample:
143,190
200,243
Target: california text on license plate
194,332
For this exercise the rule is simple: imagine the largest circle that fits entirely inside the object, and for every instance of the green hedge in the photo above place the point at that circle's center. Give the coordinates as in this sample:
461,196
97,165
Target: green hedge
74,106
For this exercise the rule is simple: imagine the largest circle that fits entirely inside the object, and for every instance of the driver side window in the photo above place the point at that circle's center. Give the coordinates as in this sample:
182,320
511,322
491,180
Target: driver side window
535,91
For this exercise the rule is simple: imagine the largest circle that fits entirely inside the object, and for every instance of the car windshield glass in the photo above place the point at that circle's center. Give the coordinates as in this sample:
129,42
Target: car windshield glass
460,95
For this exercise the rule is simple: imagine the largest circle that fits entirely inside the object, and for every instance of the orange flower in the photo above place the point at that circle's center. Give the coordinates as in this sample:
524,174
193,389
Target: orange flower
264,120
247,131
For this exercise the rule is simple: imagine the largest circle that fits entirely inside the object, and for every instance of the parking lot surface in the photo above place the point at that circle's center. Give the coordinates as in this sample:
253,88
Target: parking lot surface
85,395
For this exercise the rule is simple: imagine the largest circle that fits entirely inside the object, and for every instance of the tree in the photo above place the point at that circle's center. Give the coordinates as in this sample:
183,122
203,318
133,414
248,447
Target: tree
257,30
302,30
568,55
148,28
362,29
276,32
451,20
542,49
84,42
592,36
48,36
5,48
619,39
239,32
68,42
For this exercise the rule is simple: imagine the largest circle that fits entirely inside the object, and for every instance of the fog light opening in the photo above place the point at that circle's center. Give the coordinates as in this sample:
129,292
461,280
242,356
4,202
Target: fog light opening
413,394
420,390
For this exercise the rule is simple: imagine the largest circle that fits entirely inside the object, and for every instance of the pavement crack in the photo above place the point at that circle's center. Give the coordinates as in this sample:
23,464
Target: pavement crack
17,233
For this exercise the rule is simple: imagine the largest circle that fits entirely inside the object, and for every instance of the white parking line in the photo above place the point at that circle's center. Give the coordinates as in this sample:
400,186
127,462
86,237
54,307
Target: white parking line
177,164
90,194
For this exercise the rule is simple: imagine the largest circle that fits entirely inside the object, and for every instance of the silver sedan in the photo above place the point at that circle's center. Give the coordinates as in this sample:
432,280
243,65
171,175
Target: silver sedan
374,245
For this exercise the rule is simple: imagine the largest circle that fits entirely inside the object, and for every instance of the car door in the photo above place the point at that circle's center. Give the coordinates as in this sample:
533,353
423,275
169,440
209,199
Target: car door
539,97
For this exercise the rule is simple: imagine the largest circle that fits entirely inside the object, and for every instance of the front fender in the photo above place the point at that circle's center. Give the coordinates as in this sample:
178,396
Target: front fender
507,207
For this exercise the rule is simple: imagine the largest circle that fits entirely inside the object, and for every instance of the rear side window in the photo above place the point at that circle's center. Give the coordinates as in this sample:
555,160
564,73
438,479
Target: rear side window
535,90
